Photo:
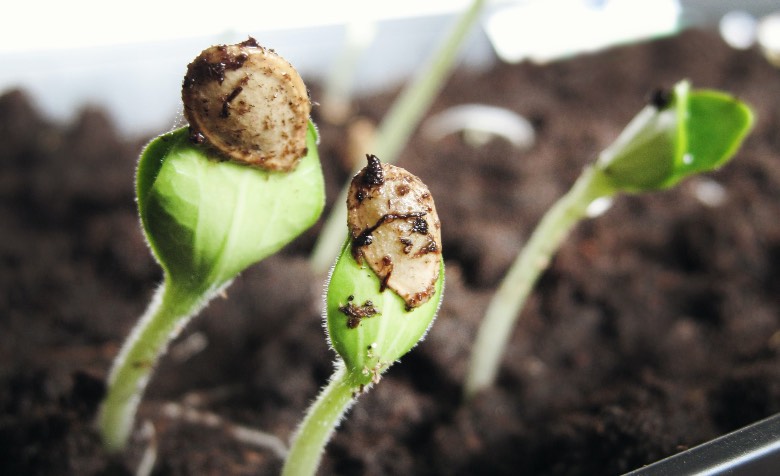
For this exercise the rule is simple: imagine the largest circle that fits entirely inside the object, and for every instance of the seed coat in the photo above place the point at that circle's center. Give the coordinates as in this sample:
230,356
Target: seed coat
249,104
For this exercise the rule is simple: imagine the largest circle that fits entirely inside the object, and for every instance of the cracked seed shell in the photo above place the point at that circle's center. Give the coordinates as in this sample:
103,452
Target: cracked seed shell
395,230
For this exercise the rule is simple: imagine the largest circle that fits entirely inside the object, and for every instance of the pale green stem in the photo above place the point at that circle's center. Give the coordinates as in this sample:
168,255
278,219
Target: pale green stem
504,309
321,421
407,111
336,99
396,128
169,311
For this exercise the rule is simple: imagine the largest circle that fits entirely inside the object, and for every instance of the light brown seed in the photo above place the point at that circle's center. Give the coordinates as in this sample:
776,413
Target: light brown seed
395,230
249,104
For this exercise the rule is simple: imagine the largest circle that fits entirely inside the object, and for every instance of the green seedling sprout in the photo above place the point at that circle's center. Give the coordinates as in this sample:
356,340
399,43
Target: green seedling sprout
399,124
240,182
680,133
382,297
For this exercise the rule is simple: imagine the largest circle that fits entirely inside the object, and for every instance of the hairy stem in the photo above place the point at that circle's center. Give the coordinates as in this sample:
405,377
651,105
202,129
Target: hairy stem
396,128
504,309
321,420
169,311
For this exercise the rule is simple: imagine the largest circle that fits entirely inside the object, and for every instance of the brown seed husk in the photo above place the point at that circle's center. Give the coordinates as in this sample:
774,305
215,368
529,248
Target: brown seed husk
395,230
249,104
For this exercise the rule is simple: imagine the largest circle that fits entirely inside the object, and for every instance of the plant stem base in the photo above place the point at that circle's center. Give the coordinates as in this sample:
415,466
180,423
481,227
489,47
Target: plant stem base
504,309
168,312
319,424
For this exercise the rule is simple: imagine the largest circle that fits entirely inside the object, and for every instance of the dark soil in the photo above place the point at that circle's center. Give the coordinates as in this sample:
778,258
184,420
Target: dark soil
656,328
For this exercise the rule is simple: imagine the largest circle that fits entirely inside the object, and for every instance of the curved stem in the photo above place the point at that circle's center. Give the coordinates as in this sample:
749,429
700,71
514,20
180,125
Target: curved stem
170,309
396,128
407,111
504,309
321,420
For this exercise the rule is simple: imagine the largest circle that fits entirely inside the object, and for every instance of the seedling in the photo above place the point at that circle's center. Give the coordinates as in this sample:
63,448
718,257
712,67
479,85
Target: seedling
680,133
401,120
241,182
382,296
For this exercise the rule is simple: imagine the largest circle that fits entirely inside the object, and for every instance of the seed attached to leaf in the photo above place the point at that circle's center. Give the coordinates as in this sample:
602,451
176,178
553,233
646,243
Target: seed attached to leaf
249,104
395,230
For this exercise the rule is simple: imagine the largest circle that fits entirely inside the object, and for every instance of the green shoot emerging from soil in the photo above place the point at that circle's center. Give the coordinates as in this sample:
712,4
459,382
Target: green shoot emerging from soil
382,297
680,133
241,182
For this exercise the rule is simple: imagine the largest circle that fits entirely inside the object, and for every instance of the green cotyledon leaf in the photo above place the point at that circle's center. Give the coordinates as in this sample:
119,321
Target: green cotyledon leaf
716,125
371,328
689,132
386,286
207,219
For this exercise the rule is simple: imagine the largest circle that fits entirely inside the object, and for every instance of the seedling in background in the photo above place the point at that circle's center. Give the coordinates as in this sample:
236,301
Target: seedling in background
400,122
241,182
382,297
680,133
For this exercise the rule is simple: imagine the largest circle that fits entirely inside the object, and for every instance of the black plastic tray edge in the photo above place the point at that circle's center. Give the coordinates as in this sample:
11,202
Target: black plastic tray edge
750,451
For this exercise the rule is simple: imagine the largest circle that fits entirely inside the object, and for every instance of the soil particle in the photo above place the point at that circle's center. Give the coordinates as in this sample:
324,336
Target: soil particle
355,314
660,98
372,174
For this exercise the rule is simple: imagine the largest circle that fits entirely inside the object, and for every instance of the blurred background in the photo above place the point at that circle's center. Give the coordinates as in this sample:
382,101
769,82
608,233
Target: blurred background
129,57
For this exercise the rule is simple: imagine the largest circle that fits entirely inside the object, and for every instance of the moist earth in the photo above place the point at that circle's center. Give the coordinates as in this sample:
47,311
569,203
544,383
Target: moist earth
656,327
